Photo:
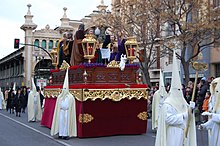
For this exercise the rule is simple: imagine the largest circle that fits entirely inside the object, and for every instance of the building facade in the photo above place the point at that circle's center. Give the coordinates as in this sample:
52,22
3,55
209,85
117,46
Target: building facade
31,61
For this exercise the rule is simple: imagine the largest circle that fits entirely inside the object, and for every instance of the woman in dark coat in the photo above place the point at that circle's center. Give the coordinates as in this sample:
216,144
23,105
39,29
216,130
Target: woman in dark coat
10,101
25,98
18,102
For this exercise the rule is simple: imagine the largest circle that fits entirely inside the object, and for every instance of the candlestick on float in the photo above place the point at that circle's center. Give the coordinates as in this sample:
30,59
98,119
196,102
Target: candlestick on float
89,46
131,47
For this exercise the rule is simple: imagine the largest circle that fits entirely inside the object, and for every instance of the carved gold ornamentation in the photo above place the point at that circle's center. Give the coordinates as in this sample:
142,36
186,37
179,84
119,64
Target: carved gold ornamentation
102,94
85,118
113,64
52,93
142,116
200,66
64,65
115,94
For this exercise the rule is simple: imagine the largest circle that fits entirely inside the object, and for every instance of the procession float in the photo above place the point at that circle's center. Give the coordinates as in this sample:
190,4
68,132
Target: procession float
109,100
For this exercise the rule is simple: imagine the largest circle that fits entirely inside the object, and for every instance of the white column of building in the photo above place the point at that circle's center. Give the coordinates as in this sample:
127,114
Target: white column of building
28,27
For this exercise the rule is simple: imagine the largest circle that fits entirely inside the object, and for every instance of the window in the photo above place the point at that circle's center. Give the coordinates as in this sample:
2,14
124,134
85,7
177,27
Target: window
217,33
36,43
217,70
50,45
56,44
170,57
44,44
216,3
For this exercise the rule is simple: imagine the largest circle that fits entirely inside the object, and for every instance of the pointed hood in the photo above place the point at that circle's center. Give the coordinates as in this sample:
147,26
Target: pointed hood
176,98
34,90
66,81
213,85
14,87
65,89
162,89
175,82
216,92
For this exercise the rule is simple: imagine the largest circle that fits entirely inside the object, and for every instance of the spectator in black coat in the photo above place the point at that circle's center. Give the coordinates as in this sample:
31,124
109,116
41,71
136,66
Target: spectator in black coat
25,99
18,102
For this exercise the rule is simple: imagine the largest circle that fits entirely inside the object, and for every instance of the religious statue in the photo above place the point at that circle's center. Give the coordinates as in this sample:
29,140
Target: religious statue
77,55
65,48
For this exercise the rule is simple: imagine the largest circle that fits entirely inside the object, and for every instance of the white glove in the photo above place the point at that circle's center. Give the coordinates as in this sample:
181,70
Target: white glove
201,126
192,104
206,114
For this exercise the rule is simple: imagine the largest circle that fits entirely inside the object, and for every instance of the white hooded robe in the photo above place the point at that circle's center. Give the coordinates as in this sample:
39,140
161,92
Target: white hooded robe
213,124
171,122
158,99
64,119
1,99
34,107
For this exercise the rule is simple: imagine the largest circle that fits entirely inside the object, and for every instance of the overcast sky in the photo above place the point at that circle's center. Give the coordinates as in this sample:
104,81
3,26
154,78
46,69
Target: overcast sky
45,12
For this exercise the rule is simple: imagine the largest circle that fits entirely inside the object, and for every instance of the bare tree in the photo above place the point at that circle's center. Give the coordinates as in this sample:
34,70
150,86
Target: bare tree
161,25
193,26
139,18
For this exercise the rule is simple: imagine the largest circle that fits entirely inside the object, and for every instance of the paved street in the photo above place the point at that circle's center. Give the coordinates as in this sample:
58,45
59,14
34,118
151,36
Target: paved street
16,131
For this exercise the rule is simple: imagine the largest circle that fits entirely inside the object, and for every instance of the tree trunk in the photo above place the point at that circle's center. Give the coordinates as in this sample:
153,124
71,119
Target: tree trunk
186,71
147,76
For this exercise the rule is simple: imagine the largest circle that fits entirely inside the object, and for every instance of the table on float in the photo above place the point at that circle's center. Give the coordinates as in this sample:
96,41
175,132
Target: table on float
103,110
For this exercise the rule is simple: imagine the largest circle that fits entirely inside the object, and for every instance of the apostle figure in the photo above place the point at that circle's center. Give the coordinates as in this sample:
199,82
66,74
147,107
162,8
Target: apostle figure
34,108
64,118
61,46
98,55
77,55
113,48
68,48
121,45
173,116
158,99
1,99
105,51
213,124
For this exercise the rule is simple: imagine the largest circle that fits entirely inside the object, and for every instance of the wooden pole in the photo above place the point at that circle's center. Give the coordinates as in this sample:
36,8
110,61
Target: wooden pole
197,67
190,110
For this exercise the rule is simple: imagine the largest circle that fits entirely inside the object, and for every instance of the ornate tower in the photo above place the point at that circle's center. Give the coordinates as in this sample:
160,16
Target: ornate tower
28,28
65,25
